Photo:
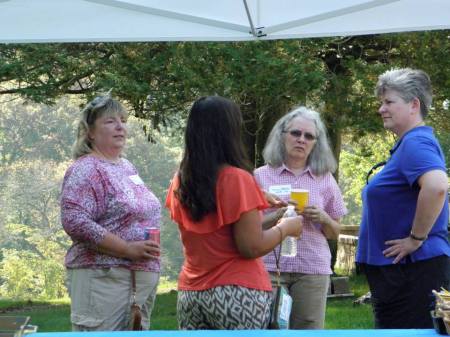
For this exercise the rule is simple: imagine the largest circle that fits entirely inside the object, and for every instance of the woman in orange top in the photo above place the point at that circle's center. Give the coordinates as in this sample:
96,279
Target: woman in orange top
216,202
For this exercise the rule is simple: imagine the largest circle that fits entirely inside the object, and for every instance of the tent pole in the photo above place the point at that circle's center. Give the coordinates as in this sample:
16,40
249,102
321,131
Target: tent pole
124,4
250,21
329,15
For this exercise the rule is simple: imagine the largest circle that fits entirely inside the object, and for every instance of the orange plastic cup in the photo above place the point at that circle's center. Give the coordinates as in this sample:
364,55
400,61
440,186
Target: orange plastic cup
301,196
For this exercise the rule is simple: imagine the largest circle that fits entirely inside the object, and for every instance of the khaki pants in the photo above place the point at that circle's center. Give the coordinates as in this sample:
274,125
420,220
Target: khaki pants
101,298
309,298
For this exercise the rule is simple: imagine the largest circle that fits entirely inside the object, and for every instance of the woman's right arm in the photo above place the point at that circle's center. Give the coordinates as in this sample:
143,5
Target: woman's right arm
275,202
252,241
271,219
131,250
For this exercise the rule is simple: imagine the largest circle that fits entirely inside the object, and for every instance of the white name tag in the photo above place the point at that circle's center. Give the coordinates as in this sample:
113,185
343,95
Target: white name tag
286,307
136,179
280,189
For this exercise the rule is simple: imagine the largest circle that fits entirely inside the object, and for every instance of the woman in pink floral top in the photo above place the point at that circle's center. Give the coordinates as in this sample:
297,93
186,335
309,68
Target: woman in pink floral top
106,210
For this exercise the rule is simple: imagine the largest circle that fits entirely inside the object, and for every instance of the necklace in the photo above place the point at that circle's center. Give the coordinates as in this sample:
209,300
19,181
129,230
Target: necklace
421,123
104,158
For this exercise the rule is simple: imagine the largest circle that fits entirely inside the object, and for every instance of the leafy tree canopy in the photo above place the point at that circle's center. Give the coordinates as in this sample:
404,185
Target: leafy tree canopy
160,80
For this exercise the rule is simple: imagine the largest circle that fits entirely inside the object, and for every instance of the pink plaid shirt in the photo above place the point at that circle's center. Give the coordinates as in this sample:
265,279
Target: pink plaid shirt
313,253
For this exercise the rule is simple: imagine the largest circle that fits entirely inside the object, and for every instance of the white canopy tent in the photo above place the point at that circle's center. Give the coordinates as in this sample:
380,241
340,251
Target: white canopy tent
23,21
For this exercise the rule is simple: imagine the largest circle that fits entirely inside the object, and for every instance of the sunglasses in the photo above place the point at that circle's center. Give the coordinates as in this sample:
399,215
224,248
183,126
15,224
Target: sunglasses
97,103
298,133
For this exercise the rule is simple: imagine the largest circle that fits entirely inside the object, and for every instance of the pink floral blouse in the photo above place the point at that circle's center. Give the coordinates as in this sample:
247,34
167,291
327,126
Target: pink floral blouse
99,197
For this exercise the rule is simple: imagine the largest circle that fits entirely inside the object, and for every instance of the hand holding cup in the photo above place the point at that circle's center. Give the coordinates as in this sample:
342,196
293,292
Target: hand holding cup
300,198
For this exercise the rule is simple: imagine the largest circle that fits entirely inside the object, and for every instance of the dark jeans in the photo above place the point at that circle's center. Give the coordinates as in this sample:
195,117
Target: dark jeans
401,293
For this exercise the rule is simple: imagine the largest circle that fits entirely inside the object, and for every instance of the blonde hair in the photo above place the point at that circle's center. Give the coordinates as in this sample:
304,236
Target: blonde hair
100,106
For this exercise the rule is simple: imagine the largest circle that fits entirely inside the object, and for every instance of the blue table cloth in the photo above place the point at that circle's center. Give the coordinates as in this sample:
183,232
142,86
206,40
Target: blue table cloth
249,333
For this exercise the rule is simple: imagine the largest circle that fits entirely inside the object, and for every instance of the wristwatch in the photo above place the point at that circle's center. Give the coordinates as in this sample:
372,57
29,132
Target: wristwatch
417,238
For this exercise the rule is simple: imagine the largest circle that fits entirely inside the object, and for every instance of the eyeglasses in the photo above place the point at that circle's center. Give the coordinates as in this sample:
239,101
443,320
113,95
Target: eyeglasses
298,133
374,167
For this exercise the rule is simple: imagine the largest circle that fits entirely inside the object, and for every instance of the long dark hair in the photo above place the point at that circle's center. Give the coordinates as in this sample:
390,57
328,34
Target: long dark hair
213,138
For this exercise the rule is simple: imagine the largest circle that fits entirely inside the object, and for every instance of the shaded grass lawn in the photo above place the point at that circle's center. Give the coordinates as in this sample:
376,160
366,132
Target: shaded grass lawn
342,314
54,316
49,316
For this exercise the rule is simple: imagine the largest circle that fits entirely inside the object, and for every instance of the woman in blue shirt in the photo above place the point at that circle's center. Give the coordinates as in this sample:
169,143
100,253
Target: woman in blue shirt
403,244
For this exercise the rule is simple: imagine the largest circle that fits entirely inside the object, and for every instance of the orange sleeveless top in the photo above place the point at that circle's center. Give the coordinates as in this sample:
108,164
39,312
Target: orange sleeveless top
211,255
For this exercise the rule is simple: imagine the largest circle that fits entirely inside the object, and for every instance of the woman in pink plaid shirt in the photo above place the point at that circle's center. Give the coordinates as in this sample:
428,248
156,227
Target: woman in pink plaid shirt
297,155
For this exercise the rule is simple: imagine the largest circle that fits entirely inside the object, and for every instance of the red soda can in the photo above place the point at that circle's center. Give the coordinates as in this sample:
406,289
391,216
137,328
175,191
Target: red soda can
152,234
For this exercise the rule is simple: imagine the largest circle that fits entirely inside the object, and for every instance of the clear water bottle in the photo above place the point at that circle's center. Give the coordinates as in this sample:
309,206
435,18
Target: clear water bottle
289,245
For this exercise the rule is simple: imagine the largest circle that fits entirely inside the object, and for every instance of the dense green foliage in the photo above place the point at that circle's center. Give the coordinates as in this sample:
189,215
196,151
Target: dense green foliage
158,82
32,241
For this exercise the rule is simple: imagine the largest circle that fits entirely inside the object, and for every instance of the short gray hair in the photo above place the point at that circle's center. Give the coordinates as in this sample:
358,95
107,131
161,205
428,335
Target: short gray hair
321,159
98,107
409,84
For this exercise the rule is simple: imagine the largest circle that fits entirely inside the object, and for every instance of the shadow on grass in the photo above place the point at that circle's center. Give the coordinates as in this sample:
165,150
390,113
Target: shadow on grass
51,316
164,315
56,317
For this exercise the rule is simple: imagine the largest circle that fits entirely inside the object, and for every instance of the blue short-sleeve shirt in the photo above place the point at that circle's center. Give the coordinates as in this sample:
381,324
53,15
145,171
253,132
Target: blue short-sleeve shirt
390,200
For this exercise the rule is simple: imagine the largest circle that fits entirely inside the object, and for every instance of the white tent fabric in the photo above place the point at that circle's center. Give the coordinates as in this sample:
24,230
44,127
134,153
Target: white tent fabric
24,21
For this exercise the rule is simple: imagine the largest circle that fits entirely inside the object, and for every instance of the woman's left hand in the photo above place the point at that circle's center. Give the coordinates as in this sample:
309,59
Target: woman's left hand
274,200
315,214
401,248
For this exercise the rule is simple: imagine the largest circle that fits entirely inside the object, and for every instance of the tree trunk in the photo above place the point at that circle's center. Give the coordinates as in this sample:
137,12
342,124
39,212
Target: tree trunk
335,137
257,126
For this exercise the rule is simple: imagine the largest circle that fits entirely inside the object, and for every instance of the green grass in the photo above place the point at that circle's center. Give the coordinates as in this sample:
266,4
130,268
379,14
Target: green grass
54,315
23,304
164,315
342,314
49,319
